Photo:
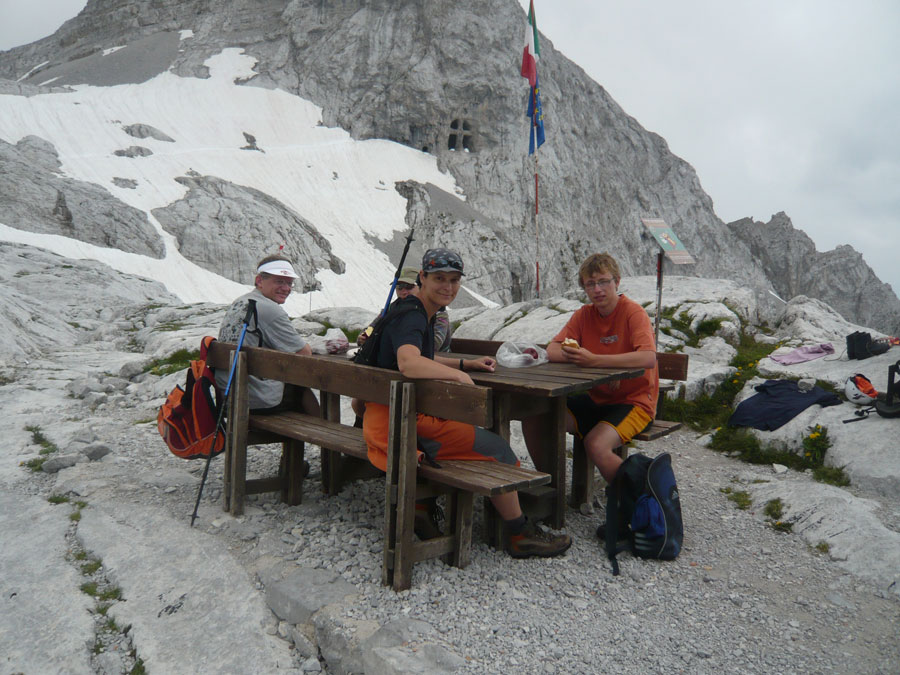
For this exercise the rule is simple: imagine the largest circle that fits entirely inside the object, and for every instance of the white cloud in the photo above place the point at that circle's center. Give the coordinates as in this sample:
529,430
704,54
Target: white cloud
24,22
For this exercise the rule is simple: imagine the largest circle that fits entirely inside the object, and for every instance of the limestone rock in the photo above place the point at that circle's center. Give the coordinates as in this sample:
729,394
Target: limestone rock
35,197
840,277
296,598
133,151
228,228
146,131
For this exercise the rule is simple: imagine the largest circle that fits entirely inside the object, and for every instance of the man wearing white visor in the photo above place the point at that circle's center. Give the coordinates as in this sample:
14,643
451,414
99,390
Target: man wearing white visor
270,328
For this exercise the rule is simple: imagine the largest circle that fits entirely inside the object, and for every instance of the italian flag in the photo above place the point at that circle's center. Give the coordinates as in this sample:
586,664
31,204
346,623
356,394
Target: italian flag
532,50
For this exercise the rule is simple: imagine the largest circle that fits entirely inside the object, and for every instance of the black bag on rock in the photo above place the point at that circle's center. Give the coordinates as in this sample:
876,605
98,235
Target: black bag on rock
861,346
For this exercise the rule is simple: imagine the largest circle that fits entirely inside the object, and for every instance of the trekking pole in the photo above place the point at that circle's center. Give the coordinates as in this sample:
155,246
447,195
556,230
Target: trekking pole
409,240
251,311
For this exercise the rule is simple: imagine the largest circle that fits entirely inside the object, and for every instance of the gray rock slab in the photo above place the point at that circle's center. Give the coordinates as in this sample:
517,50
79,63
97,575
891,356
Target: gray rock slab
868,450
57,462
45,624
300,595
96,451
856,538
179,584
341,640
427,658
398,631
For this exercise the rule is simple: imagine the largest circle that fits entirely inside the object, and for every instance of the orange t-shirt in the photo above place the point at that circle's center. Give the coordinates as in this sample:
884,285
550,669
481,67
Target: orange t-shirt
627,329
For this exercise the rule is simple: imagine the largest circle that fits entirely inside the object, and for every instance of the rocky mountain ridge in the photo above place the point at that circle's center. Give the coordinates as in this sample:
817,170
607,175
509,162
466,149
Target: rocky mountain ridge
440,77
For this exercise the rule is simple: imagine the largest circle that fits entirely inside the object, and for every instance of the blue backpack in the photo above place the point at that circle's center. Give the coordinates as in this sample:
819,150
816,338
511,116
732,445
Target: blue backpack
643,507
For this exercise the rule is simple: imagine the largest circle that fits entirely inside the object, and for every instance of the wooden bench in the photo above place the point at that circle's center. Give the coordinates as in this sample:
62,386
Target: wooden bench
405,480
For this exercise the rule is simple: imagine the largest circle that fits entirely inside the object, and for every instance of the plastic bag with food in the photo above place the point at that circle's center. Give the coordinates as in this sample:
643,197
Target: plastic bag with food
521,355
333,342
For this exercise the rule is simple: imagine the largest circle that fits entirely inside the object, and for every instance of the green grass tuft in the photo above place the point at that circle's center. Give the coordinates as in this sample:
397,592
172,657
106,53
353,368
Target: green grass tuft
179,360
38,438
112,593
833,475
774,509
58,499
89,568
36,464
741,499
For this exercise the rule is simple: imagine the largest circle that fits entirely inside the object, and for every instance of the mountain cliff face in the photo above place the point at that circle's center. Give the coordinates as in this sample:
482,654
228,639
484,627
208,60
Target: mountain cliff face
840,278
442,77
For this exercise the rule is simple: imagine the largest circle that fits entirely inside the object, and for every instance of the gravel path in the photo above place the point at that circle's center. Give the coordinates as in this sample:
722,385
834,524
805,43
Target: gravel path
742,597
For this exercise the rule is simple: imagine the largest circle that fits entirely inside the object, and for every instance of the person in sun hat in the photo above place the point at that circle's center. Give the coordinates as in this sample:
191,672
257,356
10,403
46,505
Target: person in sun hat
406,284
270,328
407,345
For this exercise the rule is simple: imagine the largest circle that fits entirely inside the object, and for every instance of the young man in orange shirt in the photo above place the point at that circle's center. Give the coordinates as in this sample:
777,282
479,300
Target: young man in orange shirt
612,331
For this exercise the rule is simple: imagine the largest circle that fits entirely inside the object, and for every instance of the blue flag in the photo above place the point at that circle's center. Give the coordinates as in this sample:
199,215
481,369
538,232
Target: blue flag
536,114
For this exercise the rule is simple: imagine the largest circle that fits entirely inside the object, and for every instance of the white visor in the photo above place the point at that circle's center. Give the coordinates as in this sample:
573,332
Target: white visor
278,268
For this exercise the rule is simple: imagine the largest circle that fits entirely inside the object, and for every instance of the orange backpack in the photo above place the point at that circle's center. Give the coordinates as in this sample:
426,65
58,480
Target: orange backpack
188,419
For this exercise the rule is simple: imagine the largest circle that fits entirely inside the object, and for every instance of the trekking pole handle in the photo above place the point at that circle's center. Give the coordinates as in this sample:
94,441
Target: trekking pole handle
251,310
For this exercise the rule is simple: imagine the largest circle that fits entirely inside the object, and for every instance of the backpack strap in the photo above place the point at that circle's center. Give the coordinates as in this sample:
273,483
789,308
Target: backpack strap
612,524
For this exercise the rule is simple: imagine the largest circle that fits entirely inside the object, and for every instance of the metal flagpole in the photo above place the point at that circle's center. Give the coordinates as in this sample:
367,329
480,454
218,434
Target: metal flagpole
537,232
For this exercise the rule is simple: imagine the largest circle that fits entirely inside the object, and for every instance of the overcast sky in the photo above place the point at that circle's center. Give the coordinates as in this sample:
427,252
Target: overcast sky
780,105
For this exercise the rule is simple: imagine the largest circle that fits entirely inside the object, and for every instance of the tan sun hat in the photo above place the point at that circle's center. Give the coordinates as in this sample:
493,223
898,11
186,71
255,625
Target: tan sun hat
408,275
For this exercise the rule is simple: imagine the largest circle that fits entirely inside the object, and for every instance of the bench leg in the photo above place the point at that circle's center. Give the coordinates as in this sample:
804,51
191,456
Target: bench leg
582,475
461,516
331,459
238,418
400,489
238,479
583,484
291,472
226,474
494,528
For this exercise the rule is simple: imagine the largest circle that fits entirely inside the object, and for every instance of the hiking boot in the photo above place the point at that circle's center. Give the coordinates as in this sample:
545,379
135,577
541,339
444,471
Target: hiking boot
534,542
428,520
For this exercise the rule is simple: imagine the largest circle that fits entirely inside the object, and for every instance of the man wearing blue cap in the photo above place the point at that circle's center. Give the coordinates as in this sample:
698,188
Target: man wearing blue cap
407,345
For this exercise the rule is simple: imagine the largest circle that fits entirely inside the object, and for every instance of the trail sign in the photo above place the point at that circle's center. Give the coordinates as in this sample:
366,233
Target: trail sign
671,246
674,250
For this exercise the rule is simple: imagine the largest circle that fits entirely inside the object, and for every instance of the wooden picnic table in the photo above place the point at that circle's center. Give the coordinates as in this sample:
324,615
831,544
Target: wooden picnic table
542,390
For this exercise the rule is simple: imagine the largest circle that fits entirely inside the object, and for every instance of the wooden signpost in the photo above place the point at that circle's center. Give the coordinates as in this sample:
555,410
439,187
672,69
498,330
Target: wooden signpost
671,248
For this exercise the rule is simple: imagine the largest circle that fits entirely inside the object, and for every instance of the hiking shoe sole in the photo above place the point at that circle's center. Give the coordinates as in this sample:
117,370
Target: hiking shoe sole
542,546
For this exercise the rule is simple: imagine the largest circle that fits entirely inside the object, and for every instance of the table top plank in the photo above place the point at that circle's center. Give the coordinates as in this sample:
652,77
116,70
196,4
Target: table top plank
548,379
